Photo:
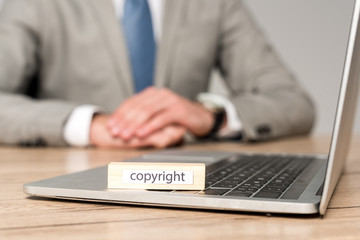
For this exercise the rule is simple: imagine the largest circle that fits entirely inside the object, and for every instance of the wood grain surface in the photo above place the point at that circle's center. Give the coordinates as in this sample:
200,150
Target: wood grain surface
22,217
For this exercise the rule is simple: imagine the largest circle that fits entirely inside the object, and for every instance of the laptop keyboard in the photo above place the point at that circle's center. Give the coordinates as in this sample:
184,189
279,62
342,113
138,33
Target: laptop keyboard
259,176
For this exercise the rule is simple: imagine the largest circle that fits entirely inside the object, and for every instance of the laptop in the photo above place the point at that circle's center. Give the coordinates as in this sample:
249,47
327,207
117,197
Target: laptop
269,183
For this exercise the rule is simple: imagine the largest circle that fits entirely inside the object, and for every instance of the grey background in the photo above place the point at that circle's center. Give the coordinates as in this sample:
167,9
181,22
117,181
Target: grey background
310,37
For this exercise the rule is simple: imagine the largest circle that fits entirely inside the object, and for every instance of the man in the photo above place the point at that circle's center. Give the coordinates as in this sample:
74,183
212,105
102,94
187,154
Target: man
70,69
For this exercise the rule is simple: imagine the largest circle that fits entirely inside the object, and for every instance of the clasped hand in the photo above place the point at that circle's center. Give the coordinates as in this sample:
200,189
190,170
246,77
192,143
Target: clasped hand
152,118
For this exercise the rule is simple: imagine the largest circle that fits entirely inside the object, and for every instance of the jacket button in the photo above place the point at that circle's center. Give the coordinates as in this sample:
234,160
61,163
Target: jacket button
264,130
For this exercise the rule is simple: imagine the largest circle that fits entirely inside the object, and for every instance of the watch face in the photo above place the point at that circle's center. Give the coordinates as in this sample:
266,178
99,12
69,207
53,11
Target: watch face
211,101
213,107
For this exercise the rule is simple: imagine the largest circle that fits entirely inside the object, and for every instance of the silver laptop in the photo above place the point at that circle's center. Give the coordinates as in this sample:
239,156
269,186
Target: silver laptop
270,183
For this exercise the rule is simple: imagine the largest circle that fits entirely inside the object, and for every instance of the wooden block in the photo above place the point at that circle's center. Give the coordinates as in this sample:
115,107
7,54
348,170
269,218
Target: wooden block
149,175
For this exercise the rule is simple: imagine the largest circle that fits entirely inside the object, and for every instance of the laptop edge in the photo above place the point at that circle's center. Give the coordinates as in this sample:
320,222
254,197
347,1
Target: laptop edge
345,114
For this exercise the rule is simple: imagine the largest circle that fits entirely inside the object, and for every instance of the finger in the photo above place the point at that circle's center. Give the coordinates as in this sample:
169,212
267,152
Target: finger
183,112
192,116
127,105
116,143
165,137
137,112
157,123
134,143
104,140
160,140
142,113
172,135
150,141
100,137
176,133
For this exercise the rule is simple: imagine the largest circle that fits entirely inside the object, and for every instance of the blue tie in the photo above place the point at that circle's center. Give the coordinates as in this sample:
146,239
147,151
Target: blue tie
139,35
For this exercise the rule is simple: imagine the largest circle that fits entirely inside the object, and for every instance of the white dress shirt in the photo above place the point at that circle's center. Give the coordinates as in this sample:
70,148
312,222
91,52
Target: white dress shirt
77,128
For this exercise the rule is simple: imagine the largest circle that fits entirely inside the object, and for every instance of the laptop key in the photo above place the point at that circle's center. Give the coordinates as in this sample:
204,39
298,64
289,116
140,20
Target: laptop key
216,191
273,189
224,185
268,194
239,194
277,185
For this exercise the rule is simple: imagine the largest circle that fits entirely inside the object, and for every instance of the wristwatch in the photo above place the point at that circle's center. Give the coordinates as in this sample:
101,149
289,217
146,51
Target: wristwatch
219,114
217,103
219,117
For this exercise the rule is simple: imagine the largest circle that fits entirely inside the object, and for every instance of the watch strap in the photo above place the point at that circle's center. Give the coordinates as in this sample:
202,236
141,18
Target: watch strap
219,117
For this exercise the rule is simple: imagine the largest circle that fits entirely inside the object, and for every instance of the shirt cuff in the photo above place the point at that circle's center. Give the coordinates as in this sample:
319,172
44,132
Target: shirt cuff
77,128
234,125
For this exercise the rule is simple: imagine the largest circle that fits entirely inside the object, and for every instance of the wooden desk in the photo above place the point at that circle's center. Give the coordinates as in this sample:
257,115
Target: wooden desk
24,218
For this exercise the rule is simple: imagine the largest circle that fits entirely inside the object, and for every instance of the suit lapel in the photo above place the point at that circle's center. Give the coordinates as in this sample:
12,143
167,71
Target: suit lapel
174,15
115,43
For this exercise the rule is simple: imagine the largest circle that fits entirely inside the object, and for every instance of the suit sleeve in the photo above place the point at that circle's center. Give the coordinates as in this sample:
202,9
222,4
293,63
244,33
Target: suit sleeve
25,120
268,99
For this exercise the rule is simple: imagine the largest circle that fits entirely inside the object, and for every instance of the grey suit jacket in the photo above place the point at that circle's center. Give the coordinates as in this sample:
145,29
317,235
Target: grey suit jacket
76,51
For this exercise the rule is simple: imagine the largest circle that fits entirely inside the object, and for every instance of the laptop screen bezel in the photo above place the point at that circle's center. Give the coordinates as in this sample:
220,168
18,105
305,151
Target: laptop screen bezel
345,112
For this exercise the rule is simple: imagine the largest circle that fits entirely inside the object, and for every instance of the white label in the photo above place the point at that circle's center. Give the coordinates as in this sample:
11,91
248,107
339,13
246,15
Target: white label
158,177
